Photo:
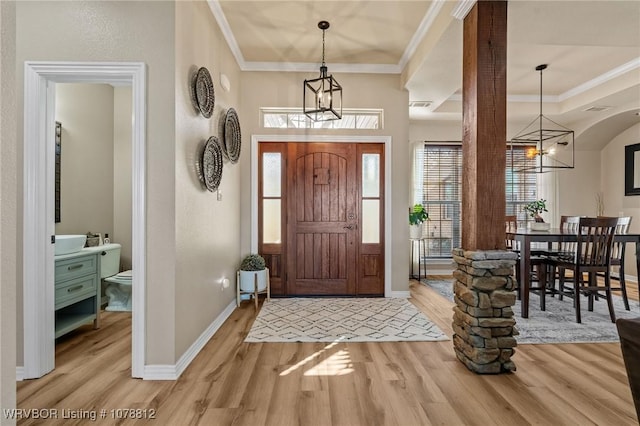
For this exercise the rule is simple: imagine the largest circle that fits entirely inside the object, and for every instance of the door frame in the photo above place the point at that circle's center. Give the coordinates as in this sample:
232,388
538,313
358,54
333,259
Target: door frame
38,203
386,140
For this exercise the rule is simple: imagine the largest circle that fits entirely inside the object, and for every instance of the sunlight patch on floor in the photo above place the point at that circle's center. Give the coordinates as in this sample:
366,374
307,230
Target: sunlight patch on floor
337,364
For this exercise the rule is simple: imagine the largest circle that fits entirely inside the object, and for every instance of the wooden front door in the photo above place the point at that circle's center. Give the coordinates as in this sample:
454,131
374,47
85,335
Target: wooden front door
323,245
322,219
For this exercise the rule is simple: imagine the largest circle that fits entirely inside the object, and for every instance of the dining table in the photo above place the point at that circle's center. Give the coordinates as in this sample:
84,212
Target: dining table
525,236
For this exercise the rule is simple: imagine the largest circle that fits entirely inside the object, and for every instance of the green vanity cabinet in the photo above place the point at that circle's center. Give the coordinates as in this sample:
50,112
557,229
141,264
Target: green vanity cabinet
77,291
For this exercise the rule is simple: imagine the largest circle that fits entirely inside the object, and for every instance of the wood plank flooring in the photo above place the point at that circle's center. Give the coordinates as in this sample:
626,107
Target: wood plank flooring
409,383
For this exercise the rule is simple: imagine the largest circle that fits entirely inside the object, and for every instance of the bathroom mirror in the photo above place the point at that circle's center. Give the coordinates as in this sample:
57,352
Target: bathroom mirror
58,139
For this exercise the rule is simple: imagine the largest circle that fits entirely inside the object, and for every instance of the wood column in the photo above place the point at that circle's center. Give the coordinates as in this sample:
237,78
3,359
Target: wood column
484,99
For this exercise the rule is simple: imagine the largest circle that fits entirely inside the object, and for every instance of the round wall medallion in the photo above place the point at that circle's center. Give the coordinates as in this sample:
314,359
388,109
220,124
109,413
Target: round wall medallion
232,136
212,164
204,92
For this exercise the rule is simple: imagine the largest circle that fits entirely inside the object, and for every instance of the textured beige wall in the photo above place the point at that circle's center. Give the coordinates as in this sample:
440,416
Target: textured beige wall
86,187
119,31
207,230
612,184
272,89
122,183
577,187
8,207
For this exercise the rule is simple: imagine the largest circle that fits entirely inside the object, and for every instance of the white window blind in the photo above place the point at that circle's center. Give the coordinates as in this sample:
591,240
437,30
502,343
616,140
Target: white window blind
438,187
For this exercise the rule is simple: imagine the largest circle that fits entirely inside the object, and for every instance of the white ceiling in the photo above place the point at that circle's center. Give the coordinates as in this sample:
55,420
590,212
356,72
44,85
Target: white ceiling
592,49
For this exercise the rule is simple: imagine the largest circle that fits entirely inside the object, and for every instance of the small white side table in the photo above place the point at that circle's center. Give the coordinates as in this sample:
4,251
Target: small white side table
255,291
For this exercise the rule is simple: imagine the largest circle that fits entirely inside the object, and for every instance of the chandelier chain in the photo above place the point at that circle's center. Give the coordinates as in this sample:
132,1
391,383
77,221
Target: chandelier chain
323,47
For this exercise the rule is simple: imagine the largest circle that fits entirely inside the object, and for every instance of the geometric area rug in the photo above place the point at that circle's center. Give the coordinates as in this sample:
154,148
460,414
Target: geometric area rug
557,324
343,320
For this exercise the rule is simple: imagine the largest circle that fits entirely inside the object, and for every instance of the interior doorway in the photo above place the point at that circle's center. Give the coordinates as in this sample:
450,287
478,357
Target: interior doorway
38,195
321,217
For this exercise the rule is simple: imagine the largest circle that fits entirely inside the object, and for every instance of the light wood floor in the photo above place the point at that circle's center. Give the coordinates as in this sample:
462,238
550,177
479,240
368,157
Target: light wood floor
408,383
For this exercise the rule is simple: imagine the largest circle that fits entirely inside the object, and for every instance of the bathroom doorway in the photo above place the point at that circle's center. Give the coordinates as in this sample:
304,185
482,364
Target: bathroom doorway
93,191
38,225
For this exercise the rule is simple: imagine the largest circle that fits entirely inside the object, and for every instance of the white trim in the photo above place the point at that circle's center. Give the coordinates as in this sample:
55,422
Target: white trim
581,88
315,67
19,373
421,31
38,282
401,294
461,9
38,226
220,17
173,372
328,138
439,271
601,79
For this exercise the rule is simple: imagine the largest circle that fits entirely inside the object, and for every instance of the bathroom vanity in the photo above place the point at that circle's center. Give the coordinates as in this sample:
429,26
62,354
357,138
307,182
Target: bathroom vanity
77,290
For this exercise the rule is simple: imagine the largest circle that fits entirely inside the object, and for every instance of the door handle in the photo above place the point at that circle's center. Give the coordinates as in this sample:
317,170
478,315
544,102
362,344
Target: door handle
351,227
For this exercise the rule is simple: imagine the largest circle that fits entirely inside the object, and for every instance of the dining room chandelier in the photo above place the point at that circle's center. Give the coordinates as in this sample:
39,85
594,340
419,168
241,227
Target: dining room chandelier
548,146
322,96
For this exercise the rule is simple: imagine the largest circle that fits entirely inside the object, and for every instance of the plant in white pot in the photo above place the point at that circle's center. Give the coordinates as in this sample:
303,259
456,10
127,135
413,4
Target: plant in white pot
253,270
534,209
417,215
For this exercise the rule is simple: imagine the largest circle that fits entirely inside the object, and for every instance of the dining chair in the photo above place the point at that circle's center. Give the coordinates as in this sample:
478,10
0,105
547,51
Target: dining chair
617,259
537,272
594,242
565,249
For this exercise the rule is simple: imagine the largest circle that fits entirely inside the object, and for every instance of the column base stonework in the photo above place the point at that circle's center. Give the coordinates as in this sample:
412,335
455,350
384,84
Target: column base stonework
483,320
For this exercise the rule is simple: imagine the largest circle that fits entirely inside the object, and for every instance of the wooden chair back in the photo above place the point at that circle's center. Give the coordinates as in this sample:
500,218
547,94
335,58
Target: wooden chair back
569,224
510,224
595,242
617,251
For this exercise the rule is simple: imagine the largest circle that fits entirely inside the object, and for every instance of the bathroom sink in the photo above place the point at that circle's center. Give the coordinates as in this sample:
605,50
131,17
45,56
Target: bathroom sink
66,244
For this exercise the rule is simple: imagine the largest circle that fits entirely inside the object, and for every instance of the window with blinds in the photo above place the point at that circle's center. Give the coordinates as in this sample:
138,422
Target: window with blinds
438,186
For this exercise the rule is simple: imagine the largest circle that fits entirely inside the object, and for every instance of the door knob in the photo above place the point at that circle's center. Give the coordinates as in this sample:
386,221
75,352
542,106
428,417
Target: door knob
349,227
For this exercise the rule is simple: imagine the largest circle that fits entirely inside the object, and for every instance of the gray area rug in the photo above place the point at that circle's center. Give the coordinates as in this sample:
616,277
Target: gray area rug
557,324
342,319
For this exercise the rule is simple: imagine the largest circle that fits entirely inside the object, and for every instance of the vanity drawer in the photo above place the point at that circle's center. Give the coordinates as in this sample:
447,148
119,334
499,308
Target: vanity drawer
75,290
76,267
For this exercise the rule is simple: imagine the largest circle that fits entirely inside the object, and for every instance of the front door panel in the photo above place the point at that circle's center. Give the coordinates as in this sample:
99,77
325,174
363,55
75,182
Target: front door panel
322,219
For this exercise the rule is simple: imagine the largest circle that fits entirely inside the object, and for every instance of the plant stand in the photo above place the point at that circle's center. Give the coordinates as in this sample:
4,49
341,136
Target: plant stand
255,292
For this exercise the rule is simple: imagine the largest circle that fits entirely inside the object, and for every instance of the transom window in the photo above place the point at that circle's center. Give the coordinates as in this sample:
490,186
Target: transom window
293,118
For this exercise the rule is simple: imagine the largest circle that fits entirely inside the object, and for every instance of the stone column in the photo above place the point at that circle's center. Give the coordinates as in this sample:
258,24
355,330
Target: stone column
483,320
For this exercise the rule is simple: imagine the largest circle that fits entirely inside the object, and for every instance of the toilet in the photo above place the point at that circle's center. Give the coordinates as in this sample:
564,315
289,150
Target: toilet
118,284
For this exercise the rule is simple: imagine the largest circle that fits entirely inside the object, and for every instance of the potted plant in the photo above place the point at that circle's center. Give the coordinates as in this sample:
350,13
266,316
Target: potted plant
417,215
534,210
253,268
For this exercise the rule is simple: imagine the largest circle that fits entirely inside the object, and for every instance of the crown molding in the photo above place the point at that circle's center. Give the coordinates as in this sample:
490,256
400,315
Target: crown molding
314,67
420,33
581,88
218,14
601,79
461,9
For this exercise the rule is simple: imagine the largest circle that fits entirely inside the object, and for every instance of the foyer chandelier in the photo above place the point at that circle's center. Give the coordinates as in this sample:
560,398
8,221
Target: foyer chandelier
322,96
548,143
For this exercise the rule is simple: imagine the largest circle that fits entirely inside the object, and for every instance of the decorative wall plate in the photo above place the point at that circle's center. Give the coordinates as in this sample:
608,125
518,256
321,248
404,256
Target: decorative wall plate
204,92
212,164
232,136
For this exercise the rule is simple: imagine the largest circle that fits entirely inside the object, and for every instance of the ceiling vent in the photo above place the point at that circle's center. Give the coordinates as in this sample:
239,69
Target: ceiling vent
420,104
597,108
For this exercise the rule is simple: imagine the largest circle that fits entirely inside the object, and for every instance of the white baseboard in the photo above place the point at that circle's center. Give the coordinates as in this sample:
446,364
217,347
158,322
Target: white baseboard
400,294
172,372
631,278
440,271
19,373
